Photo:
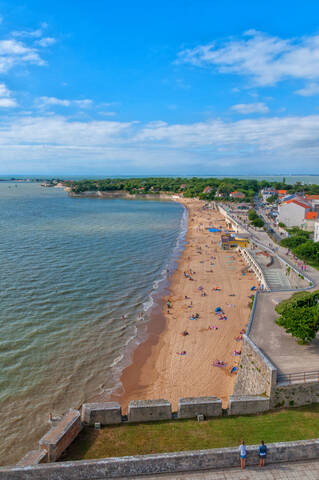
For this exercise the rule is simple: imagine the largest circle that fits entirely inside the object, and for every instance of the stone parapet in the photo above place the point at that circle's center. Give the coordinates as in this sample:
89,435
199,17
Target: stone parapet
207,406
106,413
149,410
173,463
247,404
59,437
34,457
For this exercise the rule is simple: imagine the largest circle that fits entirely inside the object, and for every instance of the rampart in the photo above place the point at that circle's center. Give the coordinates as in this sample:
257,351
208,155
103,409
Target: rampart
126,467
256,374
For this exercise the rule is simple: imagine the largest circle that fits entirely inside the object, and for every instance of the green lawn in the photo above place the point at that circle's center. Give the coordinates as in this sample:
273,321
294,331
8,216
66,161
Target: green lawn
155,437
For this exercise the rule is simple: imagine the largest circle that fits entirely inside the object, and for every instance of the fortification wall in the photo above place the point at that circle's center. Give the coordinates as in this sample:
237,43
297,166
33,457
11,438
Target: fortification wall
294,394
256,374
126,467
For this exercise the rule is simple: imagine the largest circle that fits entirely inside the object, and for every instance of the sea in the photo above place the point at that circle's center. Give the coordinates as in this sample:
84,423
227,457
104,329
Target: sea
78,280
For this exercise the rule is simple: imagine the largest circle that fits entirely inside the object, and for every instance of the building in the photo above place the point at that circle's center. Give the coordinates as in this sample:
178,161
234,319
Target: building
237,194
208,189
316,232
293,212
267,192
230,240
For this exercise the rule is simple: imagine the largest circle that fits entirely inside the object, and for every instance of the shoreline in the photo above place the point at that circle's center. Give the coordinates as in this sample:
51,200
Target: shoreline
156,370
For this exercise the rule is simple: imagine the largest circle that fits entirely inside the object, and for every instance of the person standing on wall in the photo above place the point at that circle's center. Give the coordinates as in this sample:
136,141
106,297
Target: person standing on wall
262,452
243,454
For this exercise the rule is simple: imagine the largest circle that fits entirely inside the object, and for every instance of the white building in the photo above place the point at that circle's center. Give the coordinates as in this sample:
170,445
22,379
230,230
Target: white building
293,212
316,234
267,192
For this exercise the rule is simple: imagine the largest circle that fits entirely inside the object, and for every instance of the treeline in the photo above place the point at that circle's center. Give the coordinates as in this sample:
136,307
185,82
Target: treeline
302,246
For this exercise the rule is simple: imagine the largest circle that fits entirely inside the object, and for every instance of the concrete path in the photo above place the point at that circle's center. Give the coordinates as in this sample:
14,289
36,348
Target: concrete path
279,471
282,349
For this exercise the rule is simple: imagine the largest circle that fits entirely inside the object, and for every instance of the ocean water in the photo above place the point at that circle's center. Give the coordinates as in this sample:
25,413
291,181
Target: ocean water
70,269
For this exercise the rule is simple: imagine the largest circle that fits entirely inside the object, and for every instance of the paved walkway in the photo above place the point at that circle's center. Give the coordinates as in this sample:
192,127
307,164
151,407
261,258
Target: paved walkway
279,471
282,349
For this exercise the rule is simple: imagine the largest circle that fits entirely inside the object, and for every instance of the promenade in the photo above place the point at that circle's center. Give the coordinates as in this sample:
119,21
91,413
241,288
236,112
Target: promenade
281,348
280,471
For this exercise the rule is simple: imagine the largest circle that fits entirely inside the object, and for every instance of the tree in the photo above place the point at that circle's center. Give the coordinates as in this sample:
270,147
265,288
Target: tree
299,315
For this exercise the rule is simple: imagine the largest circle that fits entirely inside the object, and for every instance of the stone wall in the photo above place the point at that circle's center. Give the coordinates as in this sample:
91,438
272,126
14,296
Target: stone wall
294,395
207,406
162,463
62,435
105,413
256,374
149,410
250,404
296,281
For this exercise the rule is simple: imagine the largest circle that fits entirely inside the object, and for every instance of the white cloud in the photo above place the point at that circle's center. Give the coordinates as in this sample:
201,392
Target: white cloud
107,114
86,103
30,33
265,59
45,41
48,101
44,102
13,52
246,108
5,97
309,90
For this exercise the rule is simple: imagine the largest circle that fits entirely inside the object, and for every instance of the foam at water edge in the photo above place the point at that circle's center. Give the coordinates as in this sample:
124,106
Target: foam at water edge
140,331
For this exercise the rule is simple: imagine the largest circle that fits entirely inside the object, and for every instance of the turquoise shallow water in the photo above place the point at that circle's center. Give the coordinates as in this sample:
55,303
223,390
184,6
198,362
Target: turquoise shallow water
70,268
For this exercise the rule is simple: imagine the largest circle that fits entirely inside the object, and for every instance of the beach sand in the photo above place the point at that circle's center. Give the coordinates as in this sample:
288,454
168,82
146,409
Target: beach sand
157,370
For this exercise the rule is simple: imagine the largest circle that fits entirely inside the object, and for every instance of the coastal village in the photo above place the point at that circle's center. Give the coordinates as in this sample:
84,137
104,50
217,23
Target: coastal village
212,358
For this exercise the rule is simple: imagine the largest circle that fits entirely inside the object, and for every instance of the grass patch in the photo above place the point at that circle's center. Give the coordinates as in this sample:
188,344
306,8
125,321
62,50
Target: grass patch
171,436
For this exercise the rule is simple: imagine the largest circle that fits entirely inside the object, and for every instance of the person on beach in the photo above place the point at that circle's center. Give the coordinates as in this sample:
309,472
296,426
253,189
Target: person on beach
262,452
242,454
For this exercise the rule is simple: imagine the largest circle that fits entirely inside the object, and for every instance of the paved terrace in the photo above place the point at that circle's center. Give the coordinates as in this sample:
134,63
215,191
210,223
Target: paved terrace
281,348
281,471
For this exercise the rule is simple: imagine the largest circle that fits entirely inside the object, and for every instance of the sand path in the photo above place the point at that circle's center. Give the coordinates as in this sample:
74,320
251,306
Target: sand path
165,373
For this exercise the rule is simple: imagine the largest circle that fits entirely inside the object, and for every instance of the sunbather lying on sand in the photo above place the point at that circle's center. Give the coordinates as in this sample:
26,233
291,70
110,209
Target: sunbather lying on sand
181,353
219,363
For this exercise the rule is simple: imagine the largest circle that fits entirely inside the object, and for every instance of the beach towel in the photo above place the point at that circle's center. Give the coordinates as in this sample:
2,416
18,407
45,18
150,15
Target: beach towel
214,230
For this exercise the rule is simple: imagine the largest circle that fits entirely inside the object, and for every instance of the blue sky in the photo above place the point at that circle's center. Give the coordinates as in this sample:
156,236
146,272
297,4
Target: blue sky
193,88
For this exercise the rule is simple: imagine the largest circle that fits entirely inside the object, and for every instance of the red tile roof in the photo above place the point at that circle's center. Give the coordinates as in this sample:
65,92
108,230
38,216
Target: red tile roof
311,215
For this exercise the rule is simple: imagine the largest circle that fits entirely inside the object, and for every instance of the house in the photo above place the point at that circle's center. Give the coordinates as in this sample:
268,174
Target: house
237,194
267,192
293,212
207,189
316,233
281,193
219,194
183,186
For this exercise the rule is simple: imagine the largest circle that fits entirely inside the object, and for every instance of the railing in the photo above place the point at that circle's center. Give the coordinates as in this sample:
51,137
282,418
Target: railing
298,377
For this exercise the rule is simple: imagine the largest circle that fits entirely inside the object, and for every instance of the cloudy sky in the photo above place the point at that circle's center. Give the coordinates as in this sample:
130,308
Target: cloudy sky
197,88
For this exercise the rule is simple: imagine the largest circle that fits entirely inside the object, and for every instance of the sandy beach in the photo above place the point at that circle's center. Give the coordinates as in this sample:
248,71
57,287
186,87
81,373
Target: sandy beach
172,364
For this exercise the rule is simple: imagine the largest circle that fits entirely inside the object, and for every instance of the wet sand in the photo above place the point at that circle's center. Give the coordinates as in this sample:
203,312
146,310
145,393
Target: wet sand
158,370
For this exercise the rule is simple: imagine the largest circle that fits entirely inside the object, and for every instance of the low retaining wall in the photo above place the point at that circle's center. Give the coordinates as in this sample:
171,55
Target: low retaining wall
62,435
256,374
207,406
295,394
249,404
149,410
162,463
106,413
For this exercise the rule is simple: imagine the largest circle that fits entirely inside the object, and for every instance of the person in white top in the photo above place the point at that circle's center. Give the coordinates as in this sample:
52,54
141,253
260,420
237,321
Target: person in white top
243,454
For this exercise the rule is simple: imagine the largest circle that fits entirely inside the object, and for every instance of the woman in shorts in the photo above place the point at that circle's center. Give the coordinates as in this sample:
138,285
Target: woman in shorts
242,454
